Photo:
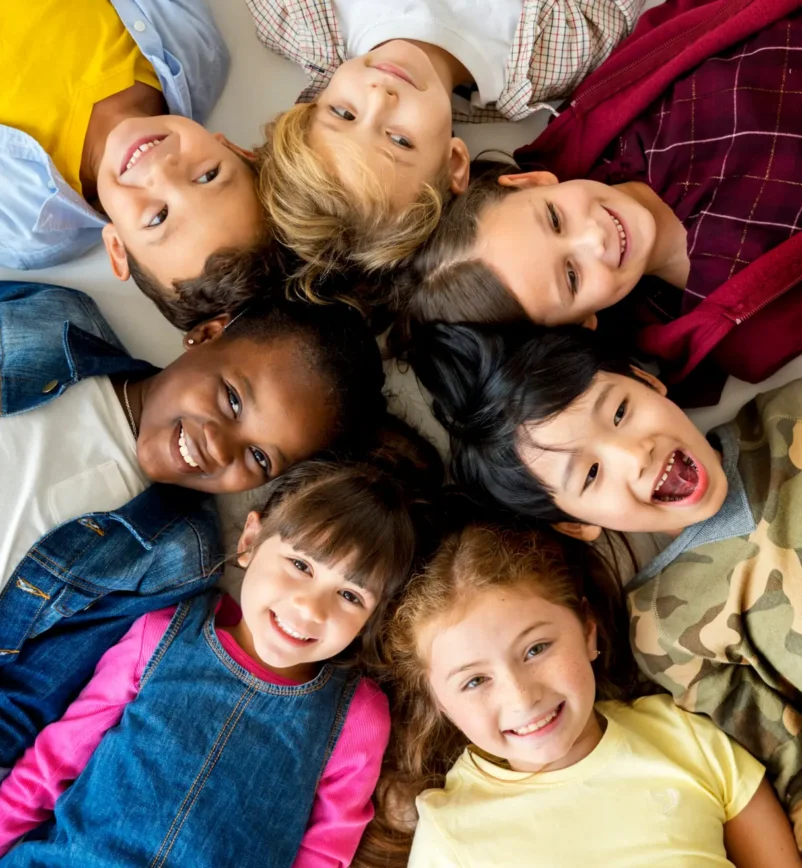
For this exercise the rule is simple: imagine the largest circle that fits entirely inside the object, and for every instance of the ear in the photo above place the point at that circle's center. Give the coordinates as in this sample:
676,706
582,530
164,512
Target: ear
525,180
210,330
248,155
459,166
650,380
592,322
248,537
591,638
578,530
116,251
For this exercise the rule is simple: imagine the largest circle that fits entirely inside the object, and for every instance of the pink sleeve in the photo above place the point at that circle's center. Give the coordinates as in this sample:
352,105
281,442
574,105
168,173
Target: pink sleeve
342,806
62,750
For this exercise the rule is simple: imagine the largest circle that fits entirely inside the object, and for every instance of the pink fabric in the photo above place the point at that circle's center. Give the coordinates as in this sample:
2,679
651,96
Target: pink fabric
342,806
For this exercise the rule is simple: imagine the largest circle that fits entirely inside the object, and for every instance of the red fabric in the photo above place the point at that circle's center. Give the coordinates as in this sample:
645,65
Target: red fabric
751,322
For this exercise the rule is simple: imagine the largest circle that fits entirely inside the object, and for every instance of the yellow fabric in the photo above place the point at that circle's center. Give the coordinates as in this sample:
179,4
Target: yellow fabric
57,59
656,791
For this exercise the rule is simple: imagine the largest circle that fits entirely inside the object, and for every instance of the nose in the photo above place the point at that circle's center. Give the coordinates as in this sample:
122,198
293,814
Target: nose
521,693
218,444
591,239
632,451
310,605
161,168
381,97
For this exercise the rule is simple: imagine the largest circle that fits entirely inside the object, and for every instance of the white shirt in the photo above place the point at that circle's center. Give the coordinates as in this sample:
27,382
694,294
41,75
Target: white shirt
479,33
74,455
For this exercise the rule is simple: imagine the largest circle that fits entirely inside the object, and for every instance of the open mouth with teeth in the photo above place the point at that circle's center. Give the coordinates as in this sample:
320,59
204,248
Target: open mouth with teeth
139,151
679,479
540,724
622,235
289,631
184,450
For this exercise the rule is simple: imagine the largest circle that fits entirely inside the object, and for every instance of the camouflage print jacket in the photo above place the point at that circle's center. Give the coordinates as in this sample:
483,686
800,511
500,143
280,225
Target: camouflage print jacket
716,618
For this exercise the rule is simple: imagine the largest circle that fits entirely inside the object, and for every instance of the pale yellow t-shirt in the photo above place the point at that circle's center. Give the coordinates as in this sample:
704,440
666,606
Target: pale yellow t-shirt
57,60
656,791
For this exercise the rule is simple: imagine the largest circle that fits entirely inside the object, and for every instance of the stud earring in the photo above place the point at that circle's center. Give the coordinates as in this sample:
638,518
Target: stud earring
190,341
596,655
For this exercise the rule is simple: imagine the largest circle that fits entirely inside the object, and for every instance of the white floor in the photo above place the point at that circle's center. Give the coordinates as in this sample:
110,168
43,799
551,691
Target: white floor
260,85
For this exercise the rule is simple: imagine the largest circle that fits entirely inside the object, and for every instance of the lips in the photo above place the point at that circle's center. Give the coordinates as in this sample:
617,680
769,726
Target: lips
396,72
289,632
682,480
187,458
138,150
541,725
623,238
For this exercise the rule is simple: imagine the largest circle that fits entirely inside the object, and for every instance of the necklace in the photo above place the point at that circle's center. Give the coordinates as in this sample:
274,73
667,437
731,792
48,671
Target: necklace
128,410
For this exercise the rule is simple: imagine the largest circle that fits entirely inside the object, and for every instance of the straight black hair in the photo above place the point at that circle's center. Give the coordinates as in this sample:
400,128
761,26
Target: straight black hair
491,382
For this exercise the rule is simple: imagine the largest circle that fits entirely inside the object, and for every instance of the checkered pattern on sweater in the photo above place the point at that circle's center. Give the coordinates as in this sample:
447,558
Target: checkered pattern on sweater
557,44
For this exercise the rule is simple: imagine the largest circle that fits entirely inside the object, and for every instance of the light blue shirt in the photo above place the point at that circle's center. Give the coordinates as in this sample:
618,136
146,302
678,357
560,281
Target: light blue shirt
43,221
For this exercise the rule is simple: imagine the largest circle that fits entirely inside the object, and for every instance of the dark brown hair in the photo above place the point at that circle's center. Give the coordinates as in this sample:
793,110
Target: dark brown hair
444,280
378,513
480,557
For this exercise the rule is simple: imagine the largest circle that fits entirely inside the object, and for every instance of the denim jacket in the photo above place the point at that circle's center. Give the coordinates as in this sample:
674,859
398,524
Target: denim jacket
43,221
80,588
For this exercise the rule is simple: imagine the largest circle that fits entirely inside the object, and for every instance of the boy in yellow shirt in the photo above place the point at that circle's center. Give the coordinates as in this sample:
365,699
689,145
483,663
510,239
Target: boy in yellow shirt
100,135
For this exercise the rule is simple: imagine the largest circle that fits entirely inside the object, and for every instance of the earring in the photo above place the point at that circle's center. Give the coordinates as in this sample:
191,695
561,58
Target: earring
597,654
190,341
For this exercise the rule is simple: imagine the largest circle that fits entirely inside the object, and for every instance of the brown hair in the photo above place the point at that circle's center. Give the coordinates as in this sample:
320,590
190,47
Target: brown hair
330,225
379,514
480,557
444,280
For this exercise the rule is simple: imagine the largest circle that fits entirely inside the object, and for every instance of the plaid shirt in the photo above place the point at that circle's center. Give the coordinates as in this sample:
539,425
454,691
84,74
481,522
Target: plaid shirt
721,147
556,45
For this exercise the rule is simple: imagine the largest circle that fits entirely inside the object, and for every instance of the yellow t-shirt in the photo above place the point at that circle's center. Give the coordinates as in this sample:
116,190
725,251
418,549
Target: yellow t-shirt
57,59
656,791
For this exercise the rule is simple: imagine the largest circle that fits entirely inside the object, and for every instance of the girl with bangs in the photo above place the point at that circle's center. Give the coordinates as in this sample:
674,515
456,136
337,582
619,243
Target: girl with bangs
252,718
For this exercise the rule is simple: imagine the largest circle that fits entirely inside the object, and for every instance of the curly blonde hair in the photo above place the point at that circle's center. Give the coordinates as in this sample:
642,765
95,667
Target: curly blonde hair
332,226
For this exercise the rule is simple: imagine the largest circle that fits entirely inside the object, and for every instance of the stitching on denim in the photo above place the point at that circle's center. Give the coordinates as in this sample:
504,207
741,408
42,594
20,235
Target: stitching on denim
29,588
195,789
8,651
343,706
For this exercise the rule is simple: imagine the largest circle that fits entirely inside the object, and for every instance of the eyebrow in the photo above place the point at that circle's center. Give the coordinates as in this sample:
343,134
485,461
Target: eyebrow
531,628
597,405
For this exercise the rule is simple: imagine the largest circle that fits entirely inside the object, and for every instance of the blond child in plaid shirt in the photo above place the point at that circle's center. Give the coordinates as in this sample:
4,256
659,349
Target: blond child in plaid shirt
357,173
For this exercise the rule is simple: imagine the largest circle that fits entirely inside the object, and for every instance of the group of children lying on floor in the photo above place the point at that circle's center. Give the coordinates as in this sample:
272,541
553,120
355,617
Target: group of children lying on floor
585,648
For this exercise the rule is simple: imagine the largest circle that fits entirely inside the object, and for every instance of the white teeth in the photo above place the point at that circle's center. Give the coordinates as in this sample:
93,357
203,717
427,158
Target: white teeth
142,149
285,628
182,448
622,235
667,471
538,724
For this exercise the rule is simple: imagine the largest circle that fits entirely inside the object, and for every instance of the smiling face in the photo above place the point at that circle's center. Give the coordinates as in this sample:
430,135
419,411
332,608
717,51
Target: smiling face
388,112
624,457
566,250
232,413
514,675
175,194
296,610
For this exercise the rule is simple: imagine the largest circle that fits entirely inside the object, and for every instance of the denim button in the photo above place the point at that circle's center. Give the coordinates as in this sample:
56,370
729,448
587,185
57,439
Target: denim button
49,386
92,525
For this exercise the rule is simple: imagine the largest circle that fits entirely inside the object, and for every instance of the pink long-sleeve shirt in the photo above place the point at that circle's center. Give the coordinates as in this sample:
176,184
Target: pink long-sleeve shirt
342,806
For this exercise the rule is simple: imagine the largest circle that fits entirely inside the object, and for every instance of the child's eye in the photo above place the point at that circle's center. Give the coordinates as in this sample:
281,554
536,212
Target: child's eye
234,401
592,474
537,648
351,597
342,113
159,218
620,413
474,682
573,280
554,218
301,566
209,176
401,141
261,459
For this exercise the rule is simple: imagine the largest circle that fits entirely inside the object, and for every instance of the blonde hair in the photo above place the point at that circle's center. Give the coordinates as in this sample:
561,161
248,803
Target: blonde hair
328,224
424,743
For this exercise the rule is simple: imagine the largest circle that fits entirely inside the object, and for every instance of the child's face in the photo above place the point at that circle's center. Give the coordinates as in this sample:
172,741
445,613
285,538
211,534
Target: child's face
606,456
297,610
242,411
388,111
514,675
177,202
565,250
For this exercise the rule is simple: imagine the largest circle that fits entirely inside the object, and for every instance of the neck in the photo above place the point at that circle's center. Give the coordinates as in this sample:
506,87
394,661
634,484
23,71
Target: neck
583,747
449,70
669,257
138,101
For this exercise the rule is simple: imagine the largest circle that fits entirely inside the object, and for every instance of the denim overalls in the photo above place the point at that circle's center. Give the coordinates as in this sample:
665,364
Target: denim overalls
81,586
208,767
